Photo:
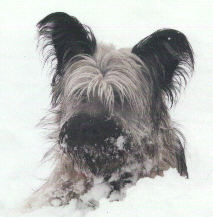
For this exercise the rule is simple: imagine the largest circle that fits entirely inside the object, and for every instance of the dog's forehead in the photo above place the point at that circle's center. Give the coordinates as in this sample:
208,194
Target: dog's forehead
109,58
106,58
110,52
111,76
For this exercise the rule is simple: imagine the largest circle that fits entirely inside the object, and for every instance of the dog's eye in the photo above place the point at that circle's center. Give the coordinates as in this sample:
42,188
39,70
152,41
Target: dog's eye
84,99
117,98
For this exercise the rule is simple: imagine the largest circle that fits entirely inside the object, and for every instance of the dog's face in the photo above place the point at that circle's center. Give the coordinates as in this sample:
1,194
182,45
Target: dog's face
109,100
103,93
103,103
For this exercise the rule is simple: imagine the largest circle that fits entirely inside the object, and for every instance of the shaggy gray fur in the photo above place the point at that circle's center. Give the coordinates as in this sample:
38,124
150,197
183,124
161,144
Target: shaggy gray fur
121,88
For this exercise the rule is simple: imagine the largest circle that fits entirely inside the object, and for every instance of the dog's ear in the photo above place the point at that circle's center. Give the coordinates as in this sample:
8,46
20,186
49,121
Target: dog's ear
169,57
67,36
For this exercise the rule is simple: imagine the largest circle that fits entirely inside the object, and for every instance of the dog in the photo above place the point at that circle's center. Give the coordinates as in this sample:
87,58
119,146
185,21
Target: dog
110,110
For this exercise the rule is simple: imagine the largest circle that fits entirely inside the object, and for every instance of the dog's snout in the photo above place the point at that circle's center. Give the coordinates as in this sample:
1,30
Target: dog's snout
89,129
86,129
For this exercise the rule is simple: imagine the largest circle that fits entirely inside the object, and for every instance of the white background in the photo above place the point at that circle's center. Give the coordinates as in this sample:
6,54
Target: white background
24,99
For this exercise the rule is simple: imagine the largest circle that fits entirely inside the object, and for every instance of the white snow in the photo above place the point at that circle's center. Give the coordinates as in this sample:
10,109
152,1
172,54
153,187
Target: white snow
24,99
120,142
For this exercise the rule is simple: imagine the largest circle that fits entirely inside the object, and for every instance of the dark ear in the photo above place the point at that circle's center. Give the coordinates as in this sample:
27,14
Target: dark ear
67,36
169,57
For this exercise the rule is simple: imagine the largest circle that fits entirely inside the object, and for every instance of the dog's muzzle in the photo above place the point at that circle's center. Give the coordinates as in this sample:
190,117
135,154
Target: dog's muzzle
96,141
84,129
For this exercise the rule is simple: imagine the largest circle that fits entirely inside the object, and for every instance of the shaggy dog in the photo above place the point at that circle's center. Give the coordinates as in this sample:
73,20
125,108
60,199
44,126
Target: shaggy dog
109,110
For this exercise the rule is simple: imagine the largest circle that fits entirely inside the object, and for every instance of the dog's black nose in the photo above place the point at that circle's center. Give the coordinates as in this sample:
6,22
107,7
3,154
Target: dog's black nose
89,130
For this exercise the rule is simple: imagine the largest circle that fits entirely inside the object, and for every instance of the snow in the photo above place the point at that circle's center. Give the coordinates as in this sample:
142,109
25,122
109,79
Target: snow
24,99
120,142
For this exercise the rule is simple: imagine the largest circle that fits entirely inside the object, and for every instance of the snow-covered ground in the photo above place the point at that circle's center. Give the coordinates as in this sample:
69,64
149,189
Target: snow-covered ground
24,99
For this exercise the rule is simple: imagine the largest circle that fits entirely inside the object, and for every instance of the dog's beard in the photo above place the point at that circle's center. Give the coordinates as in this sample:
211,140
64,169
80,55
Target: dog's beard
100,144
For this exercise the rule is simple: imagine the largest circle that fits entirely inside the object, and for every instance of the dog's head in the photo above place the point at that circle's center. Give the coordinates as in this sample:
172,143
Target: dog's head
101,93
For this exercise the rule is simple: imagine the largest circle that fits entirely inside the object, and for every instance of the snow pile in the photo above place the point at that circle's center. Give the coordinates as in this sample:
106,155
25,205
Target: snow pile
24,98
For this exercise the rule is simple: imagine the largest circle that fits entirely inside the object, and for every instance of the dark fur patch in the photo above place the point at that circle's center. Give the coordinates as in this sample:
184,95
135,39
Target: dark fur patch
91,130
169,57
181,161
92,139
68,37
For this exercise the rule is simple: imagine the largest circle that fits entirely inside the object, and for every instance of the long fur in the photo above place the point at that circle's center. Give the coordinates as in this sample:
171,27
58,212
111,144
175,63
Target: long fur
169,57
110,109
64,37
